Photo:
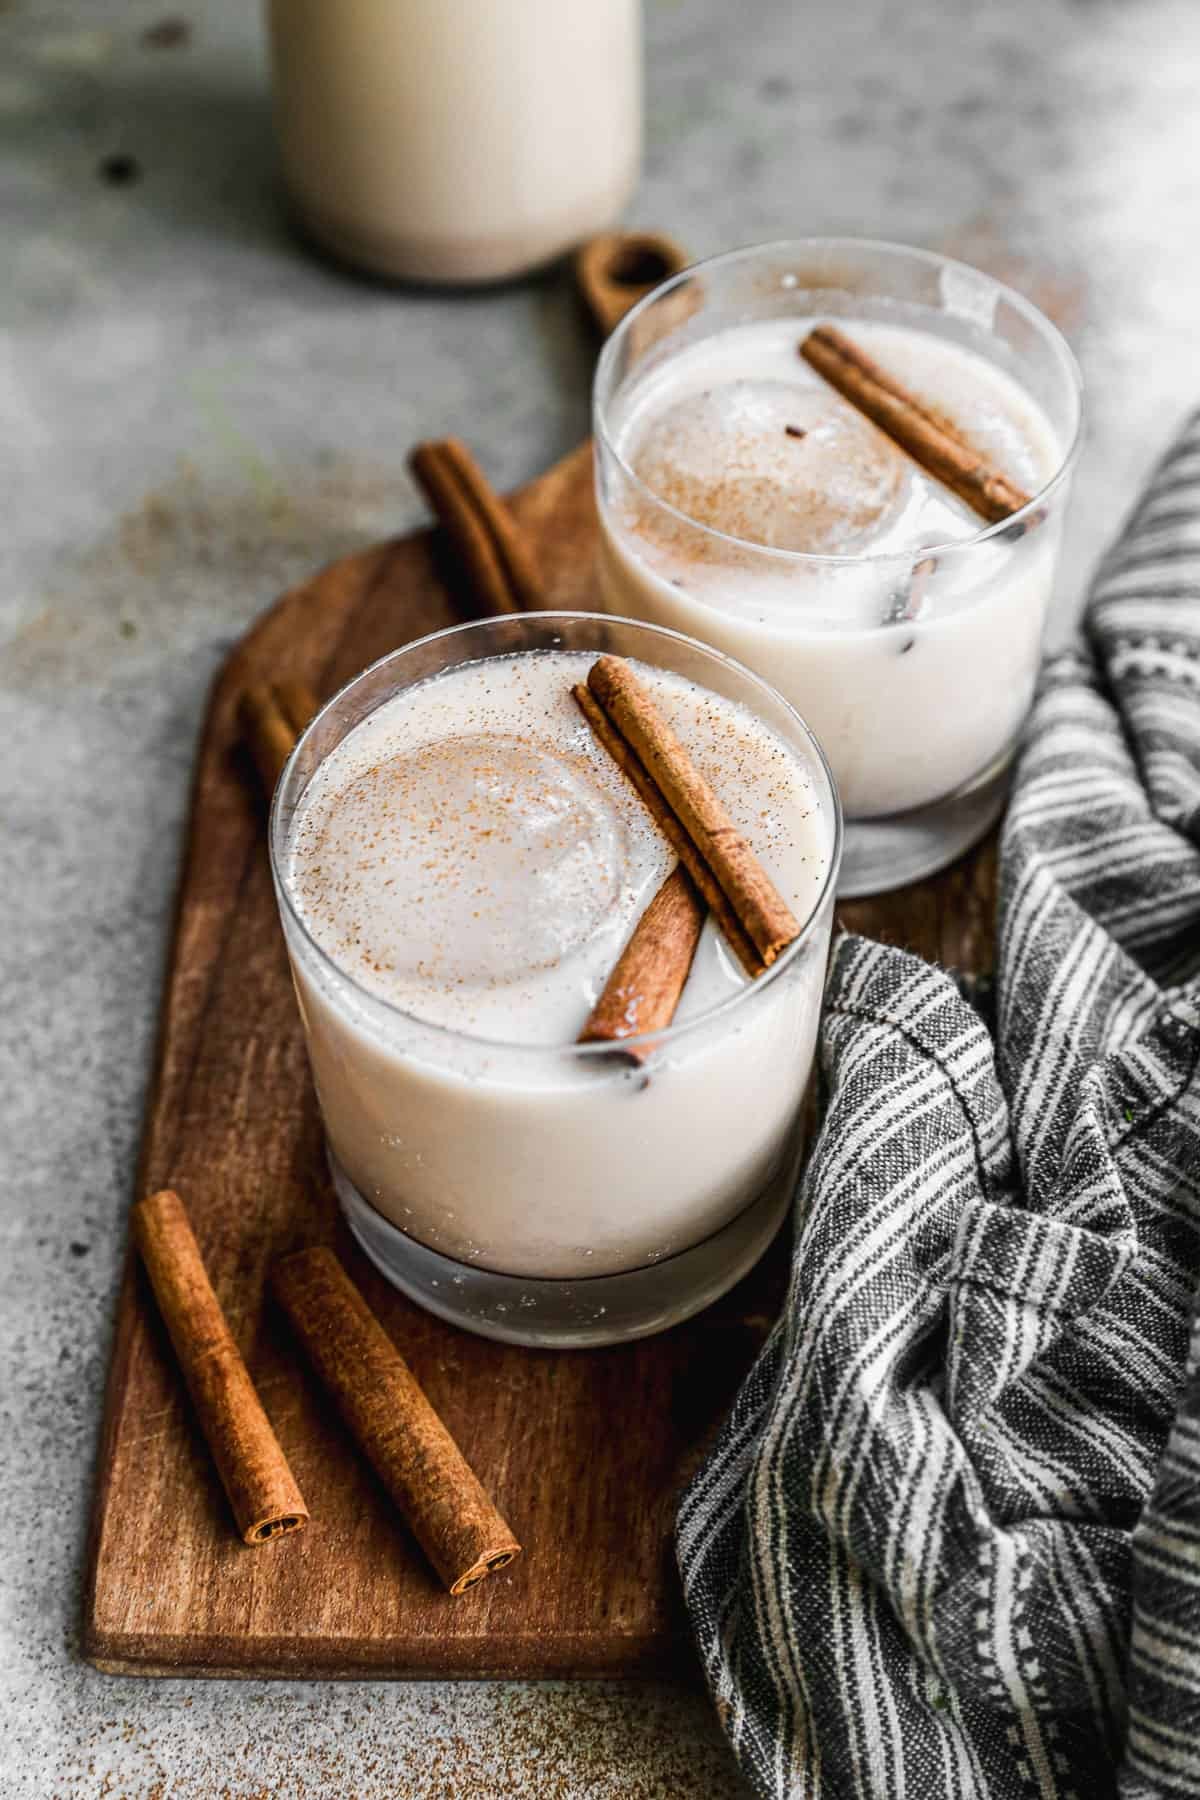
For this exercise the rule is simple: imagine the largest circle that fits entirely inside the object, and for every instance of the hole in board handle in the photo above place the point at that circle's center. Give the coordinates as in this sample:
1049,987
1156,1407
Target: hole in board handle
638,265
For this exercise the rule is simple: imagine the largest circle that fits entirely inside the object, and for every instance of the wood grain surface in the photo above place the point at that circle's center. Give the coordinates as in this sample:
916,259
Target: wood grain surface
583,1451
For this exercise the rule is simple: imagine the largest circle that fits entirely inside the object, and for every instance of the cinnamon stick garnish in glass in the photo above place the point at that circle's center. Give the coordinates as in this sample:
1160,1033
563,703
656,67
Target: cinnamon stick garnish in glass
393,1423
764,915
273,714
643,990
631,766
928,437
262,1490
492,550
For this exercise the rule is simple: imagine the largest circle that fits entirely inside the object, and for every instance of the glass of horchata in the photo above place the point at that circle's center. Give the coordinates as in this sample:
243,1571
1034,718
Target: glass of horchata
462,867
846,464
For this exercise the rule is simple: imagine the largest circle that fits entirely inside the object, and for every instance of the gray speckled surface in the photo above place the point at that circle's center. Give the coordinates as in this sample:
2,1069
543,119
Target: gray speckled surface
194,414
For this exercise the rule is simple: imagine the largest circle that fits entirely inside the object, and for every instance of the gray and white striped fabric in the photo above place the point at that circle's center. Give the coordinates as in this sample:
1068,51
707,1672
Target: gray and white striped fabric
948,1543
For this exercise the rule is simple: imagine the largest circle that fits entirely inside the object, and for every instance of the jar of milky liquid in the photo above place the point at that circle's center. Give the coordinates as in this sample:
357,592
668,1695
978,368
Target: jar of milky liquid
458,863
744,501
457,140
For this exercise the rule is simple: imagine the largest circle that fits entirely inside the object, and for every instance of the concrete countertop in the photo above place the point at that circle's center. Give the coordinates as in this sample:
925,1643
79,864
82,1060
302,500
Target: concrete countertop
195,413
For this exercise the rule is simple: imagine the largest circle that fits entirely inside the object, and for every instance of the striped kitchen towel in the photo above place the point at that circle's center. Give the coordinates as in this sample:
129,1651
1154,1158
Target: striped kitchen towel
948,1543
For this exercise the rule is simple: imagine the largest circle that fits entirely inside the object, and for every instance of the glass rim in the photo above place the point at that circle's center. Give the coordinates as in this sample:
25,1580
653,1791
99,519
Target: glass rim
933,258
277,835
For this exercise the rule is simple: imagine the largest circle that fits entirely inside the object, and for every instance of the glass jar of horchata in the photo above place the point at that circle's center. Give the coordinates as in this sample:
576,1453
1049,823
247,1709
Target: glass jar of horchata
459,862
749,496
457,140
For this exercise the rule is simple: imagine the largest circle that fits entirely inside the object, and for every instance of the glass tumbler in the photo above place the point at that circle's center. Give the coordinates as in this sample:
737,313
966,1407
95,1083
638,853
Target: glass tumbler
561,1194
916,670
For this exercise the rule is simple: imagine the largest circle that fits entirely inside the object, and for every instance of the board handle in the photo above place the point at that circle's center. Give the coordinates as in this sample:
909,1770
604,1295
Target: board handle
617,269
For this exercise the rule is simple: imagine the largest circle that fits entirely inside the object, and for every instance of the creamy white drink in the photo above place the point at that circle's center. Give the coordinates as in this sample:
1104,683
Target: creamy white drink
457,140
914,673
459,875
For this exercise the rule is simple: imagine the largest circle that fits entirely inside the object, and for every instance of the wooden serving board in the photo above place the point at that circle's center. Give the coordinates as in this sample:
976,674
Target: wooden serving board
584,1450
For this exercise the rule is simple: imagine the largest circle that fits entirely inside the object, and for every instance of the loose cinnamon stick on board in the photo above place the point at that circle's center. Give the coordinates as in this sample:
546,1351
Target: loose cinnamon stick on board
297,702
631,766
268,733
929,438
273,714
491,548
643,990
410,1449
765,916
262,1490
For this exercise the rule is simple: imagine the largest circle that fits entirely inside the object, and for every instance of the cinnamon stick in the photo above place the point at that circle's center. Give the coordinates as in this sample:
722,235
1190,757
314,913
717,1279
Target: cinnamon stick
267,731
492,551
273,714
262,1491
702,876
764,915
297,702
643,990
386,1411
928,437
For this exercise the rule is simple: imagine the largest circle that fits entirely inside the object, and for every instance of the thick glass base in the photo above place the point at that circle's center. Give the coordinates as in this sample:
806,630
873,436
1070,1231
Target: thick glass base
881,854
550,1314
